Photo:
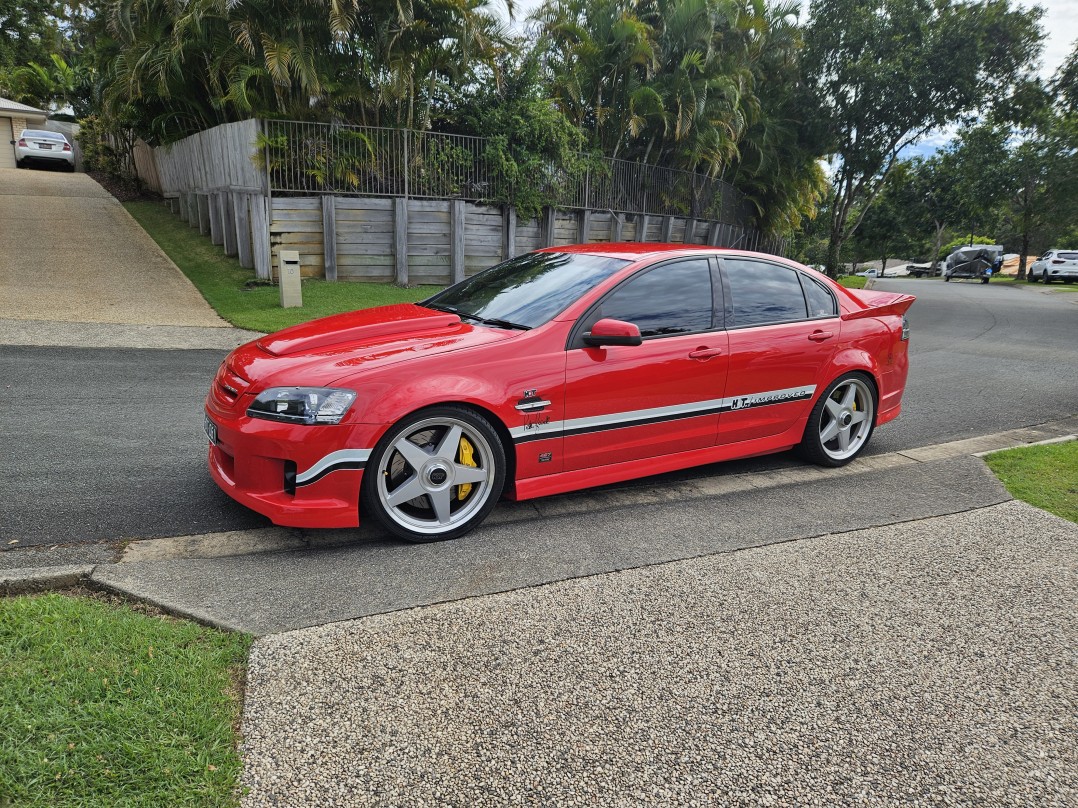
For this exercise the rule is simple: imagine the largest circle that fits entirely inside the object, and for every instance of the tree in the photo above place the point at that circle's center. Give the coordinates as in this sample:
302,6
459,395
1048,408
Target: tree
29,32
886,72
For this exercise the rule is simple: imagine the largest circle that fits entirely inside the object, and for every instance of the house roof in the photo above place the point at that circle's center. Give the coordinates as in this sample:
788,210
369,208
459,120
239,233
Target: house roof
7,105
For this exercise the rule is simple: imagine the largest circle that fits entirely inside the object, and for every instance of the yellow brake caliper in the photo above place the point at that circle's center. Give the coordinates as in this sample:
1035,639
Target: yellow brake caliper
466,459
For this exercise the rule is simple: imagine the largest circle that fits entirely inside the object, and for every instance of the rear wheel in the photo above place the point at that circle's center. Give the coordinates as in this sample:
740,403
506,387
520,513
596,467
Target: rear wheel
434,475
1044,277
841,422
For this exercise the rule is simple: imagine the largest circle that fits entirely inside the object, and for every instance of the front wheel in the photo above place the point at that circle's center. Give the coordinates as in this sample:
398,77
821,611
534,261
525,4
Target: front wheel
434,475
841,422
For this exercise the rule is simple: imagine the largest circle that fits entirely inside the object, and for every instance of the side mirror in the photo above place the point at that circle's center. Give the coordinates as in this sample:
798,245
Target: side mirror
612,332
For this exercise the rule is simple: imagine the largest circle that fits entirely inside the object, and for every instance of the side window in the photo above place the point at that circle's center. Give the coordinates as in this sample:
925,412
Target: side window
670,299
763,293
821,303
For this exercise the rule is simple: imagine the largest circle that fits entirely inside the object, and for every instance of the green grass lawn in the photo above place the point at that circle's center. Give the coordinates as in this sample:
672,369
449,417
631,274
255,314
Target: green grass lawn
227,286
1045,476
107,706
853,281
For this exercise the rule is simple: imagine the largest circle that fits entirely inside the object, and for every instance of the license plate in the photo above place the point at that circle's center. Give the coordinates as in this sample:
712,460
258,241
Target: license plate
44,146
211,431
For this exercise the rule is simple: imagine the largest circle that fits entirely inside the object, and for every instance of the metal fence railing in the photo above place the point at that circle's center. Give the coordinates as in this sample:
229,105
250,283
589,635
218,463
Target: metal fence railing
314,158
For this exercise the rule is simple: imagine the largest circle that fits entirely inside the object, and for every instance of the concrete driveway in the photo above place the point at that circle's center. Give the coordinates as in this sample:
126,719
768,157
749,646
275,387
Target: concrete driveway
70,253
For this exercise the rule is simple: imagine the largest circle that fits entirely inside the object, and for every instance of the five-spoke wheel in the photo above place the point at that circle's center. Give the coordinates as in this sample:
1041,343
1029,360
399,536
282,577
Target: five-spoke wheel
435,475
841,421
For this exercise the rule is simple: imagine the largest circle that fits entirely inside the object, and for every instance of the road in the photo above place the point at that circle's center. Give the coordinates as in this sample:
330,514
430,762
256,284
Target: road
104,445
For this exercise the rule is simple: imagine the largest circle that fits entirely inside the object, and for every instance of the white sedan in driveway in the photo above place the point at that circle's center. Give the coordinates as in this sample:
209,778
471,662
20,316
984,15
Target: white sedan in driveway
39,146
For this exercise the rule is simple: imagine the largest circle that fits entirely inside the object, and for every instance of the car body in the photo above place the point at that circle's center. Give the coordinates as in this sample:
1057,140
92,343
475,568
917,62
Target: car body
554,371
1055,265
40,146
977,261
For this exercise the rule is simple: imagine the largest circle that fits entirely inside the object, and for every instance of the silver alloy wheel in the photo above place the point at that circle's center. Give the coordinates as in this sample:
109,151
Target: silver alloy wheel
847,419
421,478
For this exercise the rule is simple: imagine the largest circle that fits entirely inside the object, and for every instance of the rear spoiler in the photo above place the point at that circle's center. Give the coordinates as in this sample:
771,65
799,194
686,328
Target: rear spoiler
878,304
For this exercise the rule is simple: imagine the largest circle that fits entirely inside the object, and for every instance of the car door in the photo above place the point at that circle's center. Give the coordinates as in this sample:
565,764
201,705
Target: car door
629,402
784,329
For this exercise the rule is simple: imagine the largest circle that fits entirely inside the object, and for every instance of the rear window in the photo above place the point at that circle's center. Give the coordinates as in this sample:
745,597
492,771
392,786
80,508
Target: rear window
43,135
1069,256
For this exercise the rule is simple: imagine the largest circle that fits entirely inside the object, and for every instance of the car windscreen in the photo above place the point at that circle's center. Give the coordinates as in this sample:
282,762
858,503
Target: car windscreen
42,135
528,290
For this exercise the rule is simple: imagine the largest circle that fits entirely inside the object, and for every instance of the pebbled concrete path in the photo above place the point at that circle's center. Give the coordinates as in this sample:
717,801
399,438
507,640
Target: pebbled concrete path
927,663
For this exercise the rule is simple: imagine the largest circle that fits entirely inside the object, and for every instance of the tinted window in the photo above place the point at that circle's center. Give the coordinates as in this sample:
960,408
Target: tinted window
670,299
763,293
528,290
1068,256
820,301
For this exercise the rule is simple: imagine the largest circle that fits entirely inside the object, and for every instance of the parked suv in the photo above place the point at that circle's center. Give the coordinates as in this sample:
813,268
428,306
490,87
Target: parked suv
39,146
1055,265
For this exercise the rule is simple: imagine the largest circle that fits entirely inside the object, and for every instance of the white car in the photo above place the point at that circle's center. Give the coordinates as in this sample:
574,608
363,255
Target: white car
1055,265
39,146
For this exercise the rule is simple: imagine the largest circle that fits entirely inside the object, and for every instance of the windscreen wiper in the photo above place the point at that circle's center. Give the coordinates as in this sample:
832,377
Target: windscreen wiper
494,321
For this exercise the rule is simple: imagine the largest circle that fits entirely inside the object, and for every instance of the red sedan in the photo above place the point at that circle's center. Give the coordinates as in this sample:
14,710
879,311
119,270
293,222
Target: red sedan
557,370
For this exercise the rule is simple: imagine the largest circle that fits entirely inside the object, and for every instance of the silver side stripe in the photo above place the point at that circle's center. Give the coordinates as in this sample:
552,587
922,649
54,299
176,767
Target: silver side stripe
327,463
656,414
351,458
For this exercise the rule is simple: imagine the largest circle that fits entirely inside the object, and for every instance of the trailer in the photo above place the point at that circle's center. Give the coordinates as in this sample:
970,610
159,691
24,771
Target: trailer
977,261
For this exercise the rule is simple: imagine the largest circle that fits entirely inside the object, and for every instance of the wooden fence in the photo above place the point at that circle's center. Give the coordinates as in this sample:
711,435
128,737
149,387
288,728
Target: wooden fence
214,181
420,241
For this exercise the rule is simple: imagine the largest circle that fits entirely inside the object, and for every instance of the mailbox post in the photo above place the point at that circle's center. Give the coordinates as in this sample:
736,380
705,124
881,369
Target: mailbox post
289,280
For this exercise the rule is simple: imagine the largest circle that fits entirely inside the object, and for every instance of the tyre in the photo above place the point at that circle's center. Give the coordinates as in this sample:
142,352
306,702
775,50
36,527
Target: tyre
1044,277
1031,278
434,475
841,422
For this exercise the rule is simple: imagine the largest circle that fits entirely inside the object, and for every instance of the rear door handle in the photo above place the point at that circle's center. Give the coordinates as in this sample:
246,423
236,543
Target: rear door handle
820,336
704,353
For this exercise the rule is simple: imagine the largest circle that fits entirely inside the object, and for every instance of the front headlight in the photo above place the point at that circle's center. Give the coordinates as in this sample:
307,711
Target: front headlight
302,405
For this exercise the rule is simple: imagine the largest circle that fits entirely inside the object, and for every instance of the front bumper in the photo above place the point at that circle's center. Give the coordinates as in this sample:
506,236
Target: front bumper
257,463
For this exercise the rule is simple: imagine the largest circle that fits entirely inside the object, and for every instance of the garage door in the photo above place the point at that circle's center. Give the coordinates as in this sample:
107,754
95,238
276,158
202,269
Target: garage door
7,151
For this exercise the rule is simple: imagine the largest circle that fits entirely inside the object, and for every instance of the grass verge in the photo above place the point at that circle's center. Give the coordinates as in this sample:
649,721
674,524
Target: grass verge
108,706
229,288
853,281
1045,476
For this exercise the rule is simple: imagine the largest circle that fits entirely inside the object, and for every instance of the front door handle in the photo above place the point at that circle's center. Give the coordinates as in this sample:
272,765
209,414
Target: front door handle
704,353
820,336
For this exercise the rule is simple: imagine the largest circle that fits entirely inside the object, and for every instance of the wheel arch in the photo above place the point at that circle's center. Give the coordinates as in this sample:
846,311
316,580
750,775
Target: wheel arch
488,414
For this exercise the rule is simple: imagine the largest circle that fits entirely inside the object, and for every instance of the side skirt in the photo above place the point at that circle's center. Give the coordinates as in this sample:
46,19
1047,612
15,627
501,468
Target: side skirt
635,469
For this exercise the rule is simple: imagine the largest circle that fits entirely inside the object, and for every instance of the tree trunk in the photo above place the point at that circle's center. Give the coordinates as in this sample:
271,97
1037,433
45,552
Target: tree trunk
937,245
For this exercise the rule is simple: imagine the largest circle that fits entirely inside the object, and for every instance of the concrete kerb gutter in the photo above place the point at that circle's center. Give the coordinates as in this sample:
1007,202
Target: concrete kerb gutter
32,580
